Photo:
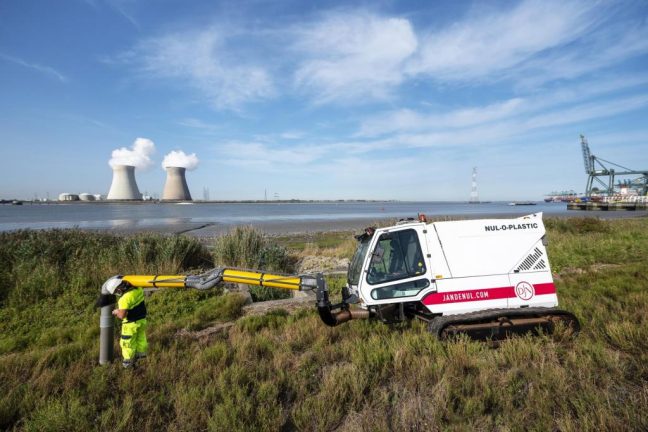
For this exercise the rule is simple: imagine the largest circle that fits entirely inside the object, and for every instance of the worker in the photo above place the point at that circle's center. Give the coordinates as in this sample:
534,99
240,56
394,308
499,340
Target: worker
131,309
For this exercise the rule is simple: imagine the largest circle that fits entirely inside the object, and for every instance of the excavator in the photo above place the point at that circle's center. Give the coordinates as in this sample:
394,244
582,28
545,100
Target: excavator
487,278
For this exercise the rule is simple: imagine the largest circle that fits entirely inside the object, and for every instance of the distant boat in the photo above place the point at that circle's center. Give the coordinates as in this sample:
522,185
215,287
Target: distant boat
517,203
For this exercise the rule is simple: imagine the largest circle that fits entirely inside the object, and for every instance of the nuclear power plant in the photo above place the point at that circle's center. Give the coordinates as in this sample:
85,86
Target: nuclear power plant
124,186
175,188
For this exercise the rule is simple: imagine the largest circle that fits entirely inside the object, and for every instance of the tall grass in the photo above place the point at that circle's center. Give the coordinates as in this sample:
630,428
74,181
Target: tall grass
248,248
38,265
289,372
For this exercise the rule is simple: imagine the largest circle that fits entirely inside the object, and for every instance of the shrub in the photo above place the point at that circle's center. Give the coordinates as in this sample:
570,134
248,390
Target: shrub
247,247
578,225
46,264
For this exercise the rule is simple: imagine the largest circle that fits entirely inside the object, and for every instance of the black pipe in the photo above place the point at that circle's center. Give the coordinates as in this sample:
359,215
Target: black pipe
325,308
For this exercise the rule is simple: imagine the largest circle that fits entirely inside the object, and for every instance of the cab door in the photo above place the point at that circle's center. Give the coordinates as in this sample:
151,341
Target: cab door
396,269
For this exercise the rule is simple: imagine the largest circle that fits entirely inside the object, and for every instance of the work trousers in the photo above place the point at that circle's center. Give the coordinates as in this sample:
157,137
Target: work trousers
133,339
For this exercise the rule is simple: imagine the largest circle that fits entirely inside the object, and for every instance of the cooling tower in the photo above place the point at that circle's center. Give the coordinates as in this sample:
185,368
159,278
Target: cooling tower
175,188
124,186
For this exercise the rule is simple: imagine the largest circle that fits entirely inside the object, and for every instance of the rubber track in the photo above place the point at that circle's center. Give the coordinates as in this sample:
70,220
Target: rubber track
438,324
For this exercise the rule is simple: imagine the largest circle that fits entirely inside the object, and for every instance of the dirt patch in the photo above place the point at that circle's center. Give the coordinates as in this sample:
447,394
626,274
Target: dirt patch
594,268
290,305
314,264
205,334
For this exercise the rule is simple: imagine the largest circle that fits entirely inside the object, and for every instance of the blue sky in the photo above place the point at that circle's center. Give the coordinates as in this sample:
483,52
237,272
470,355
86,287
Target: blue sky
322,100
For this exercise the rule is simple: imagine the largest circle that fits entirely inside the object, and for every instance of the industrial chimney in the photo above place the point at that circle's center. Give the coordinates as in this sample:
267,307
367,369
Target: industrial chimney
175,188
124,186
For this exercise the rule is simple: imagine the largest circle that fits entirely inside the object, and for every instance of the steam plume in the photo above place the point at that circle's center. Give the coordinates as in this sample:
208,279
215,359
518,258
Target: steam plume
139,155
178,158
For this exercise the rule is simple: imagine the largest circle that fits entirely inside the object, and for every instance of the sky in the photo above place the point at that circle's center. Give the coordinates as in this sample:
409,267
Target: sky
322,100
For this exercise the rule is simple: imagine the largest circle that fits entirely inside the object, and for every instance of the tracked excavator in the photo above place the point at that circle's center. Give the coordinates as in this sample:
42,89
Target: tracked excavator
486,278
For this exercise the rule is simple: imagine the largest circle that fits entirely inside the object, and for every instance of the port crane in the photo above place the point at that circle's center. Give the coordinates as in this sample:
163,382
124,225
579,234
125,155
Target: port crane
596,168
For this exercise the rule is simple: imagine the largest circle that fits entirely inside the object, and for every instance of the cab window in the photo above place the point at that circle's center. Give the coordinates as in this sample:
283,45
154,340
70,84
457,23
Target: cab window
403,289
397,255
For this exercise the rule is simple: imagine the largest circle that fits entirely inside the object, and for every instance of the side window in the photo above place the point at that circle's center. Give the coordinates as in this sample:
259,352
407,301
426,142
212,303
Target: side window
403,289
396,256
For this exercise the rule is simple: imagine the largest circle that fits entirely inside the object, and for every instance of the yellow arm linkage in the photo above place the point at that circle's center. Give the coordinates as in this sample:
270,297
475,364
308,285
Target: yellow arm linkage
217,276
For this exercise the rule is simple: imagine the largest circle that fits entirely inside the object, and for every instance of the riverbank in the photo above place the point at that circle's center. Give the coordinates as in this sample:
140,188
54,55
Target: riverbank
210,231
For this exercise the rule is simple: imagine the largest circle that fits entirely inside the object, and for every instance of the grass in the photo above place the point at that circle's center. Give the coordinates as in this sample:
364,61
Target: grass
248,248
289,372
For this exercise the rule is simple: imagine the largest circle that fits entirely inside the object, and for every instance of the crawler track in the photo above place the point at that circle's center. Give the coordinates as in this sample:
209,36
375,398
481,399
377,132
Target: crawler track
498,324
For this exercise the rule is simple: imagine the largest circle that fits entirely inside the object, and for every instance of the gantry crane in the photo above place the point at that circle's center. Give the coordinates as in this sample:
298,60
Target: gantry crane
595,168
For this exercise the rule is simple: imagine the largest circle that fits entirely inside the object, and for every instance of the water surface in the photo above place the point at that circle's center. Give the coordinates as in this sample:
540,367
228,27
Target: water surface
174,217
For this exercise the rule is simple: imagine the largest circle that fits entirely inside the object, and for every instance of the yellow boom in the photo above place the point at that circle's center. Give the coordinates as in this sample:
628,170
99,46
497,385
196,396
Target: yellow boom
227,275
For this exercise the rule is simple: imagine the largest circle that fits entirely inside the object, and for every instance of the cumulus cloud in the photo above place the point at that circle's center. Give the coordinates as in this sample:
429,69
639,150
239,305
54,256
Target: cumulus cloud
138,155
178,158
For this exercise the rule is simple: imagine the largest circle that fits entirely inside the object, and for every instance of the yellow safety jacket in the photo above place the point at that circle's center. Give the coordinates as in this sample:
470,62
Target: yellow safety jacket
133,301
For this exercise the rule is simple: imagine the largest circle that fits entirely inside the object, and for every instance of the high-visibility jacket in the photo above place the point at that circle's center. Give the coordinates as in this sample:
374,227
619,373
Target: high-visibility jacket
133,301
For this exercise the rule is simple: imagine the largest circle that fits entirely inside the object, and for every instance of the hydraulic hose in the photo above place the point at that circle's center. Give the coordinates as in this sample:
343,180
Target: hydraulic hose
213,278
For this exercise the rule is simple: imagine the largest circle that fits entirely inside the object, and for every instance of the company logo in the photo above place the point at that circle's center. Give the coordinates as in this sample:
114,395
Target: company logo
524,290
511,227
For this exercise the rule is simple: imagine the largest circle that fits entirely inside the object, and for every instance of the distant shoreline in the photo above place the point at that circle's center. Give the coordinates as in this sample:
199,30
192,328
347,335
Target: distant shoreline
139,202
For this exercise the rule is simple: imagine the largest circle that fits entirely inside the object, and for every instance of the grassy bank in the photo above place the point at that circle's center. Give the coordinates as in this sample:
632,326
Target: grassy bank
289,372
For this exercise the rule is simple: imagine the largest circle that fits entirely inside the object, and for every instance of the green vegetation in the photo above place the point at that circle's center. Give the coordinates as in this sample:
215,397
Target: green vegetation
289,372
248,248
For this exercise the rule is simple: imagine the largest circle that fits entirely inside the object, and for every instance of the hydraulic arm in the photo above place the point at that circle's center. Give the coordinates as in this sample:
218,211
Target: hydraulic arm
217,276
331,314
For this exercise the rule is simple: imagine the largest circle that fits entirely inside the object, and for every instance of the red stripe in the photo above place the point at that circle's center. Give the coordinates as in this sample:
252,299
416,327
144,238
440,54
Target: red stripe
545,288
482,294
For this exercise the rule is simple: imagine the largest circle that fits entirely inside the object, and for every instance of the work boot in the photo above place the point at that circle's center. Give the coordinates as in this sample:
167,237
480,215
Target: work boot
140,356
128,364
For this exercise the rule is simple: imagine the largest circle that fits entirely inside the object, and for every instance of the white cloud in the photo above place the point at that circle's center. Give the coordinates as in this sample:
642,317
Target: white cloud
262,154
559,104
178,158
47,70
204,60
360,56
486,43
292,135
138,155
588,111
409,120
353,56
195,123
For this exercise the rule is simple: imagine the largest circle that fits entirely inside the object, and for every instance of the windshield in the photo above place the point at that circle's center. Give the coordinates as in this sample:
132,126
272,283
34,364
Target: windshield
355,269
397,256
